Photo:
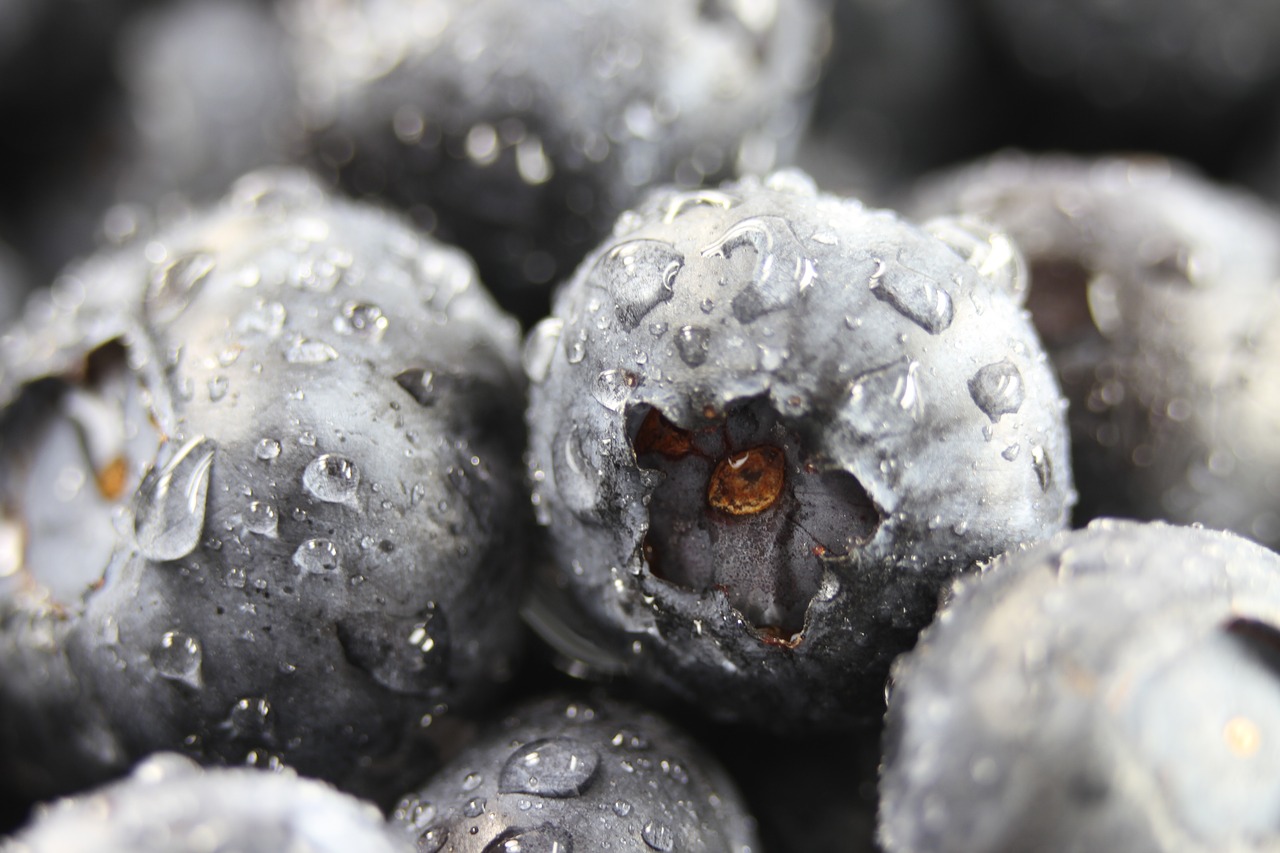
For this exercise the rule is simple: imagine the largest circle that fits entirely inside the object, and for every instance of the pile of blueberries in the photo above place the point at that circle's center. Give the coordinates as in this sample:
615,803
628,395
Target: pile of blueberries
692,425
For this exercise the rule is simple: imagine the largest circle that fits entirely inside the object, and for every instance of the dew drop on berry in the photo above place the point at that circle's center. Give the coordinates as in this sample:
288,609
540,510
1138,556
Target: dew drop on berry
433,839
612,388
885,401
540,348
913,295
408,655
543,839
266,319
332,478
658,836
218,386
250,717
693,344
176,285
169,513
361,318
178,657
1043,467
554,767
639,275
997,389
266,449
316,556
308,351
261,518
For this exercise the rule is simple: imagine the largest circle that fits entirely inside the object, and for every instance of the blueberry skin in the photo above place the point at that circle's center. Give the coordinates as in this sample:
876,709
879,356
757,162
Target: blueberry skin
299,533
170,804
569,774
519,131
1154,291
1081,694
921,428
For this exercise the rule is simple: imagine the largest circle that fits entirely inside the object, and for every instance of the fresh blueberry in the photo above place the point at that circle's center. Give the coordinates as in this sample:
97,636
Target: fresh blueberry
1154,290
562,775
261,498
170,805
520,130
767,425
1117,688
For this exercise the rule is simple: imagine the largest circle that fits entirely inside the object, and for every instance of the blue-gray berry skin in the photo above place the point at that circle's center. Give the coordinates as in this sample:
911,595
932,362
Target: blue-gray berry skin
520,130
169,804
569,774
1113,689
1155,293
766,427
261,498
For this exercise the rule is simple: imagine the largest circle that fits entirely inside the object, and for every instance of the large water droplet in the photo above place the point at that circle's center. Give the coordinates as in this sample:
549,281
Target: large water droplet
612,388
693,344
266,449
361,318
409,655
332,478
914,295
544,839
316,556
783,267
250,718
432,839
540,348
997,389
658,836
174,286
261,518
554,767
639,275
178,657
885,401
169,512
308,351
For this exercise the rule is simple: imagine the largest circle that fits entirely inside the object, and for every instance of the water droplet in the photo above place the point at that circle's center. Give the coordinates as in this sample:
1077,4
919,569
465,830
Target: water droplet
783,268
885,401
544,839
1011,452
612,388
318,275
361,318
621,808
316,556
174,286
217,388
266,449
474,807
308,351
433,839
639,275
472,781
658,836
576,349
169,511
913,295
1043,467
540,348
250,718
693,344
408,655
997,389
553,767
698,198
261,518
629,739
332,478
266,319
178,657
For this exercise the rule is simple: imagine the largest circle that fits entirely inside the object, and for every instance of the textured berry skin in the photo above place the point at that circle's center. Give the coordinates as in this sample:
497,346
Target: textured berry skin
1113,689
889,398
564,775
170,805
520,130
1155,293
293,530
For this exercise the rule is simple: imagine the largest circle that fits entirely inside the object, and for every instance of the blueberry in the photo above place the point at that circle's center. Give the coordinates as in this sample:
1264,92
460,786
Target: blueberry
1113,689
564,774
170,804
766,427
520,130
261,498
1154,291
